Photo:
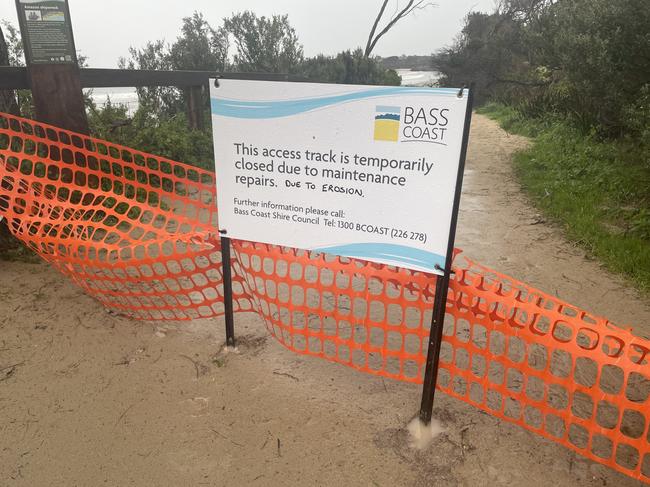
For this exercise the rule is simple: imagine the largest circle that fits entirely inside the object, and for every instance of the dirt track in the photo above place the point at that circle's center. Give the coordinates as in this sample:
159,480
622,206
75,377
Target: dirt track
95,399
501,230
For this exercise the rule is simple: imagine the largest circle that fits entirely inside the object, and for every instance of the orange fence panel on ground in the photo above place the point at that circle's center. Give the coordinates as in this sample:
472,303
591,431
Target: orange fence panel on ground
138,232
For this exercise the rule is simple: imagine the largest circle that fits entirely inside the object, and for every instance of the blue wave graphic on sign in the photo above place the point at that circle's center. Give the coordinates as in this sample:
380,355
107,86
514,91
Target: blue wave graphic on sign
284,108
392,252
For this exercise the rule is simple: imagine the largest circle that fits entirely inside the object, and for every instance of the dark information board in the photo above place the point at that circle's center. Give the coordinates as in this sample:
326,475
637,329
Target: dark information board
46,31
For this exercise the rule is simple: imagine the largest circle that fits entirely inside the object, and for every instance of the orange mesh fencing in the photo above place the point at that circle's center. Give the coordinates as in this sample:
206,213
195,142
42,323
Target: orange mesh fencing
134,230
507,349
534,360
137,232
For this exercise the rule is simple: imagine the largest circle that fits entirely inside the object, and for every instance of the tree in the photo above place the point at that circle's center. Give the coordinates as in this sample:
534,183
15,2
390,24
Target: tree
167,136
600,50
489,52
350,67
198,47
14,43
153,56
16,57
264,44
374,36
585,59
7,97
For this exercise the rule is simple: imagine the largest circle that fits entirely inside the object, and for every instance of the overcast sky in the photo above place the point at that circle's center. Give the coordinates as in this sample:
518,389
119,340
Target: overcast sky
104,29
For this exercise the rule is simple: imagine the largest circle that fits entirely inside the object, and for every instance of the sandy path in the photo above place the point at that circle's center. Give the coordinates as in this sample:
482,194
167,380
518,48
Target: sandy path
96,399
498,228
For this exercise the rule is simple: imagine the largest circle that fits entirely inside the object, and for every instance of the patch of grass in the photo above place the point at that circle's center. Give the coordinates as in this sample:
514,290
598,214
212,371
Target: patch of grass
599,191
513,120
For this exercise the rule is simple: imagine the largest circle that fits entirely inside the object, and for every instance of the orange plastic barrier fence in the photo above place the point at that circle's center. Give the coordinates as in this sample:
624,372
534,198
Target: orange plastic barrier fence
138,232
132,229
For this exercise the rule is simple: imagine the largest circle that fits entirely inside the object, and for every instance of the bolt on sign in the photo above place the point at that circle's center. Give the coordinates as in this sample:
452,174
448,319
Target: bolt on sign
359,171
46,31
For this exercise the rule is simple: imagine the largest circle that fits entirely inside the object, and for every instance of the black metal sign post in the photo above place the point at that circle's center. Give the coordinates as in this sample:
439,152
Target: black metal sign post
227,291
225,241
442,282
227,279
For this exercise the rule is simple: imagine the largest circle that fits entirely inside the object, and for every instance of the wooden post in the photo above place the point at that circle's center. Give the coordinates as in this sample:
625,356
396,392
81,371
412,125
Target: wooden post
195,108
53,69
57,95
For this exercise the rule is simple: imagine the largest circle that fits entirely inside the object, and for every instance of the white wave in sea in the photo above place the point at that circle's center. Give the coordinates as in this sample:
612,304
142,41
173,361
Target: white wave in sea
118,96
417,78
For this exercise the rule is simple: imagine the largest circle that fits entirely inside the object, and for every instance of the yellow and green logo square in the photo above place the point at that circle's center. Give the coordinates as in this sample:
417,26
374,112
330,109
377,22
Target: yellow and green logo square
387,123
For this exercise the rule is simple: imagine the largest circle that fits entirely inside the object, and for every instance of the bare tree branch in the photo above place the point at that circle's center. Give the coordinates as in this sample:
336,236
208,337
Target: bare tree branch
374,28
392,16
411,6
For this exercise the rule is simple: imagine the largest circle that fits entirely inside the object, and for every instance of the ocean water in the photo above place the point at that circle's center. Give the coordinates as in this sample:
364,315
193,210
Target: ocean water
417,78
117,96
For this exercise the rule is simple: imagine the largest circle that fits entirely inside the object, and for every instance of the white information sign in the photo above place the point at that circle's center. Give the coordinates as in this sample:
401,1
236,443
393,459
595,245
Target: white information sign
359,171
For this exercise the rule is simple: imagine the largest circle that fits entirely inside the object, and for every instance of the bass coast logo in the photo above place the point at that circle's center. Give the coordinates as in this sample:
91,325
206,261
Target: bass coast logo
387,123
411,124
